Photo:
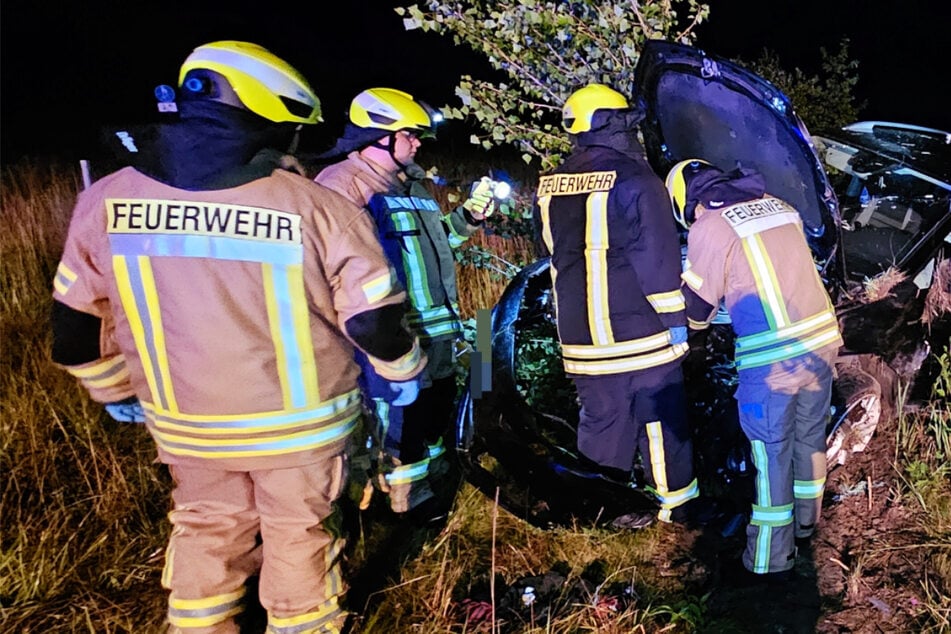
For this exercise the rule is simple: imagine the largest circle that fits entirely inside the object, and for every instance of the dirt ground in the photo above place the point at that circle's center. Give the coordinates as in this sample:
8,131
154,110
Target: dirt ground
863,574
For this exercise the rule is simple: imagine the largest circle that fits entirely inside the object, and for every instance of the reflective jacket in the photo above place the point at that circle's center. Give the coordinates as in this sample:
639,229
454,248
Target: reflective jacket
224,312
754,256
416,235
615,263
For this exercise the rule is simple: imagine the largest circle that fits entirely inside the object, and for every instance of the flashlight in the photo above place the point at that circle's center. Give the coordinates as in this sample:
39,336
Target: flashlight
501,190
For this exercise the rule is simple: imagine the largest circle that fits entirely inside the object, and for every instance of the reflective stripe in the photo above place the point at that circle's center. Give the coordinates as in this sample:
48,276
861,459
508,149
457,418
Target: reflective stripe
436,450
543,205
764,534
767,284
788,351
596,267
655,442
206,247
378,288
670,302
186,613
319,622
693,280
409,472
772,515
455,238
743,344
629,364
64,279
140,305
405,366
102,373
621,348
414,266
289,321
808,489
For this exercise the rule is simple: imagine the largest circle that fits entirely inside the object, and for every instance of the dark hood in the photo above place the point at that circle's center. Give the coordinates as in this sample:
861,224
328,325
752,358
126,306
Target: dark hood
353,138
715,189
616,129
210,146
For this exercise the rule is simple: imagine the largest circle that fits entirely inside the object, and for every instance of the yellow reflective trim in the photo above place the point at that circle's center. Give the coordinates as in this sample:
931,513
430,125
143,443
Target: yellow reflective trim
289,621
66,272
632,346
207,602
766,282
98,368
543,204
655,435
617,366
127,297
274,324
404,366
158,330
122,376
669,302
324,410
693,280
379,287
596,265
203,621
302,333
697,325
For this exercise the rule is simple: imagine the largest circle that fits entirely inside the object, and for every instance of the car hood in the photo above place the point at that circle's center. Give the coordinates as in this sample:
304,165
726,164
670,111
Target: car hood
702,106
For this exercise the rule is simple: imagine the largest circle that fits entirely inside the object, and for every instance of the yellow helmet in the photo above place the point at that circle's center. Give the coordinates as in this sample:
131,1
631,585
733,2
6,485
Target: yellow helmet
677,182
581,105
256,79
391,110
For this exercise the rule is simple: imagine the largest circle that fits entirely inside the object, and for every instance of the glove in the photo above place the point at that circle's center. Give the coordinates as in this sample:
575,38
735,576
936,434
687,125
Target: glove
126,411
406,391
678,334
481,203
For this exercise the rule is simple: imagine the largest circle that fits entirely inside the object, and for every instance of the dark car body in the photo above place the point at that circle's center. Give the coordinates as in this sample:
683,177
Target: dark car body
519,437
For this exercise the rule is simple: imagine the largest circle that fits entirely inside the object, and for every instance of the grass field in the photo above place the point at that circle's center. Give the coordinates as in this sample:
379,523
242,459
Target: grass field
83,506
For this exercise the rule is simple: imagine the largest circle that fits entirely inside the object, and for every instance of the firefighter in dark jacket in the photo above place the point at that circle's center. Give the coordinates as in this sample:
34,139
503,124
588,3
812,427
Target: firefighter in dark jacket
604,217
218,299
747,248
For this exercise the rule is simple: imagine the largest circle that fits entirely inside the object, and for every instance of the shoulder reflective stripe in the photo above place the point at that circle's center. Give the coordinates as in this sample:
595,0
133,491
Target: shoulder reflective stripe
212,448
617,366
140,304
632,346
767,285
209,247
669,302
64,278
796,329
789,350
596,265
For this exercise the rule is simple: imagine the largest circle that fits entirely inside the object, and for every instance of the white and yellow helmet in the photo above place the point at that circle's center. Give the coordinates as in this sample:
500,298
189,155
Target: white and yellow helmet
677,182
580,107
391,110
256,79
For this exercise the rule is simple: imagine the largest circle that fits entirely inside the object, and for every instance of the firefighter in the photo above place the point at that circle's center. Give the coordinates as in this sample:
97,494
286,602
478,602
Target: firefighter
218,298
747,248
378,172
615,264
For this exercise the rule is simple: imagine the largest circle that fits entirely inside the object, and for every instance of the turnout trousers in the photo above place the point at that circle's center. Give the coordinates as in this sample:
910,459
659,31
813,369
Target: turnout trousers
644,411
784,415
214,548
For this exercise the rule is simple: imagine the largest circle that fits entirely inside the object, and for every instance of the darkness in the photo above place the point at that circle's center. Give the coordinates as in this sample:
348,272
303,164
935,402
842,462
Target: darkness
69,68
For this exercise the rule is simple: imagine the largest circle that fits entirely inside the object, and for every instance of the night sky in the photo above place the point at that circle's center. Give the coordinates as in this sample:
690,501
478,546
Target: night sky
70,68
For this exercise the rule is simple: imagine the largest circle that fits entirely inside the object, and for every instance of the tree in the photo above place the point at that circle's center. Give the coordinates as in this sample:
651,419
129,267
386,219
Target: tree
544,50
824,103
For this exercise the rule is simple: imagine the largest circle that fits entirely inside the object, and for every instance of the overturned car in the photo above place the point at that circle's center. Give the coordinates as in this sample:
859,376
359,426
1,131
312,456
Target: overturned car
874,196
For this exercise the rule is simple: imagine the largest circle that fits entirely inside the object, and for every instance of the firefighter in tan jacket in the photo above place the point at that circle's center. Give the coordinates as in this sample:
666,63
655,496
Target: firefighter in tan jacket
220,298
747,248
